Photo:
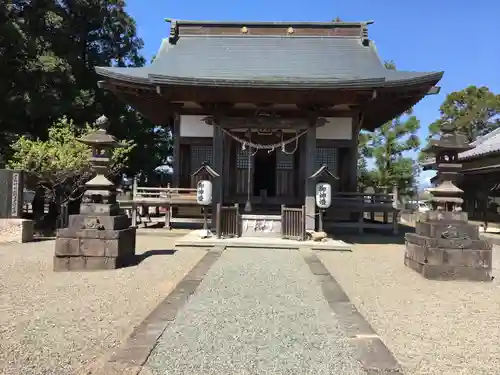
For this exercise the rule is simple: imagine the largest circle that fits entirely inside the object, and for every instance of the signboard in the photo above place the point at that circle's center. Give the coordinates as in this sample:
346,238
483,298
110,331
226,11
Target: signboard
11,193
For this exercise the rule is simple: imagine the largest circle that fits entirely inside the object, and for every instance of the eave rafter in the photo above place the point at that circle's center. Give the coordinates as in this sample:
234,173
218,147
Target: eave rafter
157,104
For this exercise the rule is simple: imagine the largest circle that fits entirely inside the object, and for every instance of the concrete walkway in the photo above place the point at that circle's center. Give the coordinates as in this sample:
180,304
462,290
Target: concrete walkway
255,311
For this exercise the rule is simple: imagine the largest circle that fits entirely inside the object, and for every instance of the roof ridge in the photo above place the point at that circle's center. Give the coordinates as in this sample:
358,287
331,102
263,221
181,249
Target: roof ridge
267,23
255,36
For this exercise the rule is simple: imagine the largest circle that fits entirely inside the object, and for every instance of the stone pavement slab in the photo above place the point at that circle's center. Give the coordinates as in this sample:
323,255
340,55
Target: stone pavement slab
193,239
256,312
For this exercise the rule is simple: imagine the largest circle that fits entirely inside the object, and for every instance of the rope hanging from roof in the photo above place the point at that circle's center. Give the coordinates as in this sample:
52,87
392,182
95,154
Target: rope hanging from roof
269,147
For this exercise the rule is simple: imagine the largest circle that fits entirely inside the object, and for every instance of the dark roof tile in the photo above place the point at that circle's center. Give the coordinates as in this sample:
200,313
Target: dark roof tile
311,61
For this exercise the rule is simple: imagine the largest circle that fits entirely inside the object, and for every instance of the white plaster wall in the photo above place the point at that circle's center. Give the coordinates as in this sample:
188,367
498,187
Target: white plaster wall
194,126
335,128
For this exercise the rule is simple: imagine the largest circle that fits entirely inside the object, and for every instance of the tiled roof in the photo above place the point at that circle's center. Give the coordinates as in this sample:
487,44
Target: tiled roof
482,146
269,61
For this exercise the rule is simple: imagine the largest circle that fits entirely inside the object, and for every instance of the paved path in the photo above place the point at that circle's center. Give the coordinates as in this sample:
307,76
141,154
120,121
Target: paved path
257,311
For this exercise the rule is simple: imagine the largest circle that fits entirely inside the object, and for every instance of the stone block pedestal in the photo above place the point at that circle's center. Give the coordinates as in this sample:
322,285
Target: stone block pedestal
449,249
16,230
95,243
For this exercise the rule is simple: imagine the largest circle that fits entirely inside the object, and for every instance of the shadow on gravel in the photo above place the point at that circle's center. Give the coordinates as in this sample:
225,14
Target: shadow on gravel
141,257
374,237
43,238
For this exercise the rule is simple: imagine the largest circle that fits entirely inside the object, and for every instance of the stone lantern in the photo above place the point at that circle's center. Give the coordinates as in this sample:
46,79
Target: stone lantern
100,237
445,246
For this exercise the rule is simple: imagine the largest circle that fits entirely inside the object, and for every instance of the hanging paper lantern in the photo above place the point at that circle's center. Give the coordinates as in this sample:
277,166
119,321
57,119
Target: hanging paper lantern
204,193
323,195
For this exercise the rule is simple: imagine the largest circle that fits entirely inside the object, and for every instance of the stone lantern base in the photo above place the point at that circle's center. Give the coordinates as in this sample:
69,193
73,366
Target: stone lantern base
95,242
446,247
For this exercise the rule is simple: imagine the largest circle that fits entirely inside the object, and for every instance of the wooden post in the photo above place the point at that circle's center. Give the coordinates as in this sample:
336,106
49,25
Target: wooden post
238,225
168,217
134,214
361,220
309,169
218,220
320,221
395,222
283,225
303,223
168,208
134,207
218,164
225,174
372,213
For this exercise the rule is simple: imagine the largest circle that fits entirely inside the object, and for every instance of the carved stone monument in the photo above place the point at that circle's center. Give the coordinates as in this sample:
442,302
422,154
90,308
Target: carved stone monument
445,246
11,193
13,228
100,237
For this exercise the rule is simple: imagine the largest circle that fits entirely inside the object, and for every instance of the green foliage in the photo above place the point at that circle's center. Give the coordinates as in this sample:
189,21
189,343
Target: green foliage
387,146
48,53
60,163
474,110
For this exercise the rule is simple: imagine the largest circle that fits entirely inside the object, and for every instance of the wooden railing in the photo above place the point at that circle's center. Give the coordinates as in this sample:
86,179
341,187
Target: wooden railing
371,211
228,221
183,199
161,195
293,223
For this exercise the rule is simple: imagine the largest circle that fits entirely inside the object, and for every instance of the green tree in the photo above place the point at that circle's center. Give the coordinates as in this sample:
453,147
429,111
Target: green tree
474,110
387,146
60,163
48,52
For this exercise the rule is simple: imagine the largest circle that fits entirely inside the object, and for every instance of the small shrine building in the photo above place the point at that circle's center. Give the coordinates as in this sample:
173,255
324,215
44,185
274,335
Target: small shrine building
268,103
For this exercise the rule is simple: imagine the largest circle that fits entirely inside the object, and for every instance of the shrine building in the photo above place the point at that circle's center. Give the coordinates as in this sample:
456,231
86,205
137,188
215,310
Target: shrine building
266,104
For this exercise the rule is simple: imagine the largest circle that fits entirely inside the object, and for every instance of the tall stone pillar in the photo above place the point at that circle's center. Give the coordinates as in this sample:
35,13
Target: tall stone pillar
309,169
100,237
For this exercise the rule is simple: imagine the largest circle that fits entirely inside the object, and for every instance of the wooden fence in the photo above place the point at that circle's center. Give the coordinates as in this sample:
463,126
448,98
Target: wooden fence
182,199
293,223
228,221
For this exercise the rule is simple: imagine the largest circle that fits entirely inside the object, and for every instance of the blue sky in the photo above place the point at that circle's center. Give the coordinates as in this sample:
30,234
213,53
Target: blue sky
458,36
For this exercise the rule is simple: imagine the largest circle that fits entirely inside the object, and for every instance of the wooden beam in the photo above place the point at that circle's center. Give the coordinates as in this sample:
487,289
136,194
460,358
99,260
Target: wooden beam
244,112
264,122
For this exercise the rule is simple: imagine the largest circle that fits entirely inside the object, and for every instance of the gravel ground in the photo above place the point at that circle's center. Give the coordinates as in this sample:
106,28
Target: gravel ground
432,327
65,323
257,311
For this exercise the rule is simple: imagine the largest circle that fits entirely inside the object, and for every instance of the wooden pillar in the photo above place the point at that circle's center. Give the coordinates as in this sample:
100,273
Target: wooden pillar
226,165
176,135
301,170
309,169
352,155
218,166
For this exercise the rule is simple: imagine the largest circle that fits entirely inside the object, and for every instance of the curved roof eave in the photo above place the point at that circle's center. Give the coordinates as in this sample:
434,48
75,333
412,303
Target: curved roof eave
142,76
